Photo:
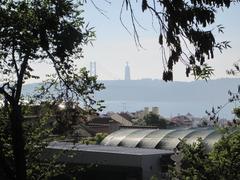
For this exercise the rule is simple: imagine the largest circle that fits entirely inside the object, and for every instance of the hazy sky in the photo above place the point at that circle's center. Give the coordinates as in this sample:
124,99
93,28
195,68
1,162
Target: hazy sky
114,46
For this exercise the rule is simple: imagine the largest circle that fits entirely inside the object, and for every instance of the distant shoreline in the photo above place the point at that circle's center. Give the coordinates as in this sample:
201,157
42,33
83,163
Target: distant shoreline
172,98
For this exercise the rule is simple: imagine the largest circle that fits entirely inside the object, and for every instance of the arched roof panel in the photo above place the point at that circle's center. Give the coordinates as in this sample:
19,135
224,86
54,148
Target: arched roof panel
199,133
212,138
152,139
171,140
116,137
134,138
160,138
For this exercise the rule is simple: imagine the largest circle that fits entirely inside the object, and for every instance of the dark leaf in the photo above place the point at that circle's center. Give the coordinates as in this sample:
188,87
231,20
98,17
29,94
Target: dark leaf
160,39
144,5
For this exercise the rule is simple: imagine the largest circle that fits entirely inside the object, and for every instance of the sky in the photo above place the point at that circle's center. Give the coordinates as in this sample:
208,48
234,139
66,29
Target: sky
114,46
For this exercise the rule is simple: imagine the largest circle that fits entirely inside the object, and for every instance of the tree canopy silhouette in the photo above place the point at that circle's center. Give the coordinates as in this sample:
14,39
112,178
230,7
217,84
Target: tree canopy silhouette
33,32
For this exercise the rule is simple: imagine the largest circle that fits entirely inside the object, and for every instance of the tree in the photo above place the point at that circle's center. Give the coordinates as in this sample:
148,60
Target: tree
195,162
154,120
37,131
226,156
37,31
71,106
184,24
220,163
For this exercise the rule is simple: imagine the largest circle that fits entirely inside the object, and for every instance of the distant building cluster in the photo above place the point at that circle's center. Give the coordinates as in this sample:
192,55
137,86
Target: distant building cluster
140,114
113,121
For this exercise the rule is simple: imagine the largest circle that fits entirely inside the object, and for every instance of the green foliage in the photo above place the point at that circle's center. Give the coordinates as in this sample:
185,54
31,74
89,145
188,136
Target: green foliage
6,152
235,70
222,162
226,156
236,111
154,177
75,89
37,31
97,139
195,161
140,122
72,102
37,137
154,120
204,72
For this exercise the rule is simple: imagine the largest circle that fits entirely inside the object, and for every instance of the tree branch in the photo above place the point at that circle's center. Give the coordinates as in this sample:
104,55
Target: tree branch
20,78
5,94
57,69
14,61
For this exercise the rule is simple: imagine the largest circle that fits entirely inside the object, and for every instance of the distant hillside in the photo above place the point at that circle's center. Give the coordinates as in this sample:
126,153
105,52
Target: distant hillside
29,88
172,97
158,90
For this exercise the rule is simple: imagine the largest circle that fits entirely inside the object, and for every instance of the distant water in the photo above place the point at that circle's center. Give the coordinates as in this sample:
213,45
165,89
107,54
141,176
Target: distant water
172,98
169,109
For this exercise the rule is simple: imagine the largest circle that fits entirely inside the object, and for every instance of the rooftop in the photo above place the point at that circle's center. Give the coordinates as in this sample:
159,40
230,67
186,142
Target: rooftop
106,149
167,139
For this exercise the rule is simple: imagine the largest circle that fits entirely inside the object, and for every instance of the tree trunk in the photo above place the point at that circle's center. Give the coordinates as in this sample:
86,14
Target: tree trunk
18,143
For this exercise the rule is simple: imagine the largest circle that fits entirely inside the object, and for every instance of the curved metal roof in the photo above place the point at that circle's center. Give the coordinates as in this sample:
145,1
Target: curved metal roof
134,138
152,139
116,137
171,140
160,138
211,139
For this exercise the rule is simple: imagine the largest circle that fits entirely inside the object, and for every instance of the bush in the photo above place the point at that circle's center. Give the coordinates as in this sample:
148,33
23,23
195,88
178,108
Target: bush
223,162
97,139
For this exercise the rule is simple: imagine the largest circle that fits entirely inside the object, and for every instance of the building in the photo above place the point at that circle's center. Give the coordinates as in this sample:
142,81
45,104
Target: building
122,119
109,123
118,163
127,72
182,121
140,114
189,120
136,154
155,110
103,125
166,139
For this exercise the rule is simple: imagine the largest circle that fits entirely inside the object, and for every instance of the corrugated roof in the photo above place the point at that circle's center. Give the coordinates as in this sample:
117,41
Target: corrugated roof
160,138
105,149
